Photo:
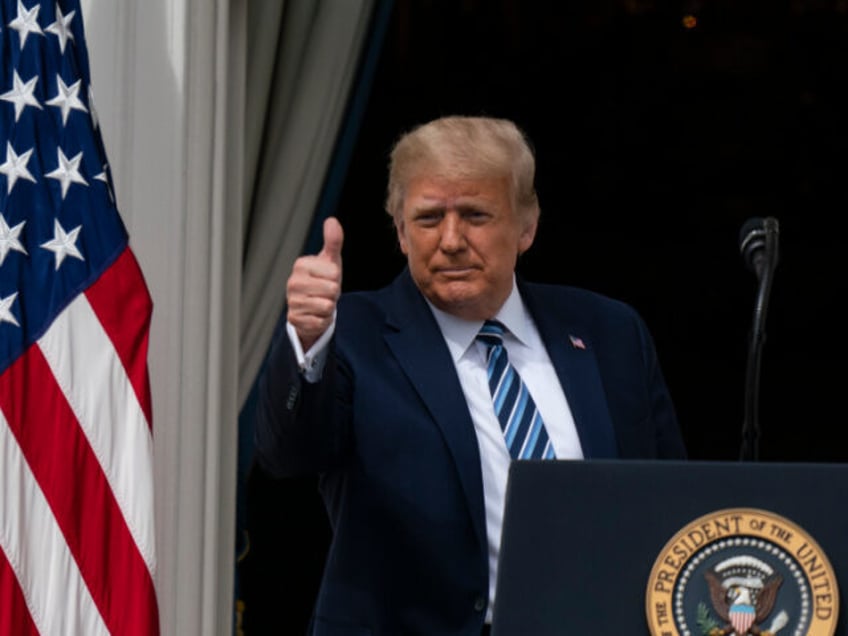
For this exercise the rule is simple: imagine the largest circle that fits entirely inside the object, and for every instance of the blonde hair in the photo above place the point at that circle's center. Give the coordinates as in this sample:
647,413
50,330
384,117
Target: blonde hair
464,147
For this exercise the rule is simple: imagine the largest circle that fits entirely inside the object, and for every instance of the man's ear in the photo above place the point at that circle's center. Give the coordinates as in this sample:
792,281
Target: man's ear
399,228
528,233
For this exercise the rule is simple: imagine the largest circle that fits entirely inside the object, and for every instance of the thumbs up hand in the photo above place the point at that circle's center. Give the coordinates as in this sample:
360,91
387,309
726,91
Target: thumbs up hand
314,286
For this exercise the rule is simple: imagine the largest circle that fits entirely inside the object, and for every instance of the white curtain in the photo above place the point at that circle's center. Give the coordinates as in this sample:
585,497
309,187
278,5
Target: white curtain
302,59
219,117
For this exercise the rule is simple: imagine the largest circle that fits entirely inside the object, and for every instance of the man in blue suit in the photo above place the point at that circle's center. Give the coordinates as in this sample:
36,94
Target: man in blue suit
386,394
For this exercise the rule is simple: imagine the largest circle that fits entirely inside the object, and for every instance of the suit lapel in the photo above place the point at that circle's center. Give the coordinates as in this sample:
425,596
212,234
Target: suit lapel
417,343
571,352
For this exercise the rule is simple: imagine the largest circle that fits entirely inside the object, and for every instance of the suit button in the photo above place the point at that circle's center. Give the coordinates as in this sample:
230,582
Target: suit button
479,604
291,399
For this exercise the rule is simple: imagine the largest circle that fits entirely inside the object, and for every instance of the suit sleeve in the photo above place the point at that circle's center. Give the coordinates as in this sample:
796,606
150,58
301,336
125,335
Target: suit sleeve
667,435
300,425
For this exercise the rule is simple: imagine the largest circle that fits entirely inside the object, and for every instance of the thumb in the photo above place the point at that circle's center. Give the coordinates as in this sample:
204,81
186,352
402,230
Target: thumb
333,239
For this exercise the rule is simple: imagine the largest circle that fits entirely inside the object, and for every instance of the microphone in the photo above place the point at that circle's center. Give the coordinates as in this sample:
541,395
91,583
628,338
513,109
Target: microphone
758,243
752,244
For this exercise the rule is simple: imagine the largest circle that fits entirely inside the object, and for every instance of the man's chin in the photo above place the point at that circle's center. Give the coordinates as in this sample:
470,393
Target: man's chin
459,299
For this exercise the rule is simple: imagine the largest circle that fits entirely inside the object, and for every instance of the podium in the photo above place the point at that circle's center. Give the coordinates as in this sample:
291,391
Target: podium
667,548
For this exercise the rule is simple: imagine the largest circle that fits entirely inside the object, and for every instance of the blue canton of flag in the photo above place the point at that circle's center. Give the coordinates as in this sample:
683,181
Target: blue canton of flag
55,205
76,486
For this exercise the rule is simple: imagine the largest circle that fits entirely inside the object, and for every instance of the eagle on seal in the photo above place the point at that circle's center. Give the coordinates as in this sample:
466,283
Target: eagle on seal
742,608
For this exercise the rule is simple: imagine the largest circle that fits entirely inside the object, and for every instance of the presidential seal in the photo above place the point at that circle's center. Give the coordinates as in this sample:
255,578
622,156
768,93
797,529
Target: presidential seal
741,572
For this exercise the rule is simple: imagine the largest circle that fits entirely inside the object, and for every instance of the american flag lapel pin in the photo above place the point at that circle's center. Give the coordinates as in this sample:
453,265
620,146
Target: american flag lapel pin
576,342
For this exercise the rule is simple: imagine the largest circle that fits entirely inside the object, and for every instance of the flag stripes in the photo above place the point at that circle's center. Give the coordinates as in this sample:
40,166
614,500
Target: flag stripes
35,548
123,306
84,363
93,475
14,616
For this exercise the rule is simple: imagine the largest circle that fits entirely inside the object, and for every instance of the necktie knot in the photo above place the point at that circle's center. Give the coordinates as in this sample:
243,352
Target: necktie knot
491,333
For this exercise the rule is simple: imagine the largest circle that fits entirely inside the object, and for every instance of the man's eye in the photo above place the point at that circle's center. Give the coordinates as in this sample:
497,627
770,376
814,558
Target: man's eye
475,216
428,218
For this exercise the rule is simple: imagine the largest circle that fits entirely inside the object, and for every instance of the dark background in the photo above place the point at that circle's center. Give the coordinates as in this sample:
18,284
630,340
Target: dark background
655,142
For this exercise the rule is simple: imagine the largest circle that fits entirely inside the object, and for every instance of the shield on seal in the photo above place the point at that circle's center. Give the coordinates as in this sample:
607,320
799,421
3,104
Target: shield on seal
741,617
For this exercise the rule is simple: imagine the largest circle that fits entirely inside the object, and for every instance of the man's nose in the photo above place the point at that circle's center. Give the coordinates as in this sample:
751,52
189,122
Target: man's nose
453,233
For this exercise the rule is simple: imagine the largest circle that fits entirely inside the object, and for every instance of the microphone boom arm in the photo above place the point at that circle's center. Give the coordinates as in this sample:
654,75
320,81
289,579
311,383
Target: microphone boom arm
751,425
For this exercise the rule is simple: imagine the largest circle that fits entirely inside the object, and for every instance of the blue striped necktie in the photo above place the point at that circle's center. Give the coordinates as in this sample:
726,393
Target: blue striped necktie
520,420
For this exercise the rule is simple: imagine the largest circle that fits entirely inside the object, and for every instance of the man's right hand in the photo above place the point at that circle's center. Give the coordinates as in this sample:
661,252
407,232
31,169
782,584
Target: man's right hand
314,287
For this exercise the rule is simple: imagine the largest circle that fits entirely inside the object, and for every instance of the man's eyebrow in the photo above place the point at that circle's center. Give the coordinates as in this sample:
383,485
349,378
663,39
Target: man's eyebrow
429,206
463,202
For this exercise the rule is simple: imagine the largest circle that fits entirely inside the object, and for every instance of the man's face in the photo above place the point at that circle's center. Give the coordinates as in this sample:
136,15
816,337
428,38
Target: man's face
462,238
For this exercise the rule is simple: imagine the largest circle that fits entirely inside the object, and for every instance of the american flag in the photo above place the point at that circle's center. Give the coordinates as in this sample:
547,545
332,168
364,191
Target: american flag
77,548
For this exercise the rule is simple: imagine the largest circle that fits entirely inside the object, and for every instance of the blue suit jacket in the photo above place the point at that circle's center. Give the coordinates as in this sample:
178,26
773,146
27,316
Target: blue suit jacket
389,431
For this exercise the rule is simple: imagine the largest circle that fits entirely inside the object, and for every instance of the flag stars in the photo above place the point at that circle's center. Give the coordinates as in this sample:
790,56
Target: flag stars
105,179
9,238
67,98
61,28
26,22
63,243
21,94
6,310
15,167
67,172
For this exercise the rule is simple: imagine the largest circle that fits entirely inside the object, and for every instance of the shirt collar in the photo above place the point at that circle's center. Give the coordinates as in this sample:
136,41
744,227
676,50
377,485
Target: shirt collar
460,334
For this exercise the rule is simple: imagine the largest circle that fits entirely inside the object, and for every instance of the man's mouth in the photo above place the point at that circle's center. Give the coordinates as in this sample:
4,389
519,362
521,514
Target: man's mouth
455,272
